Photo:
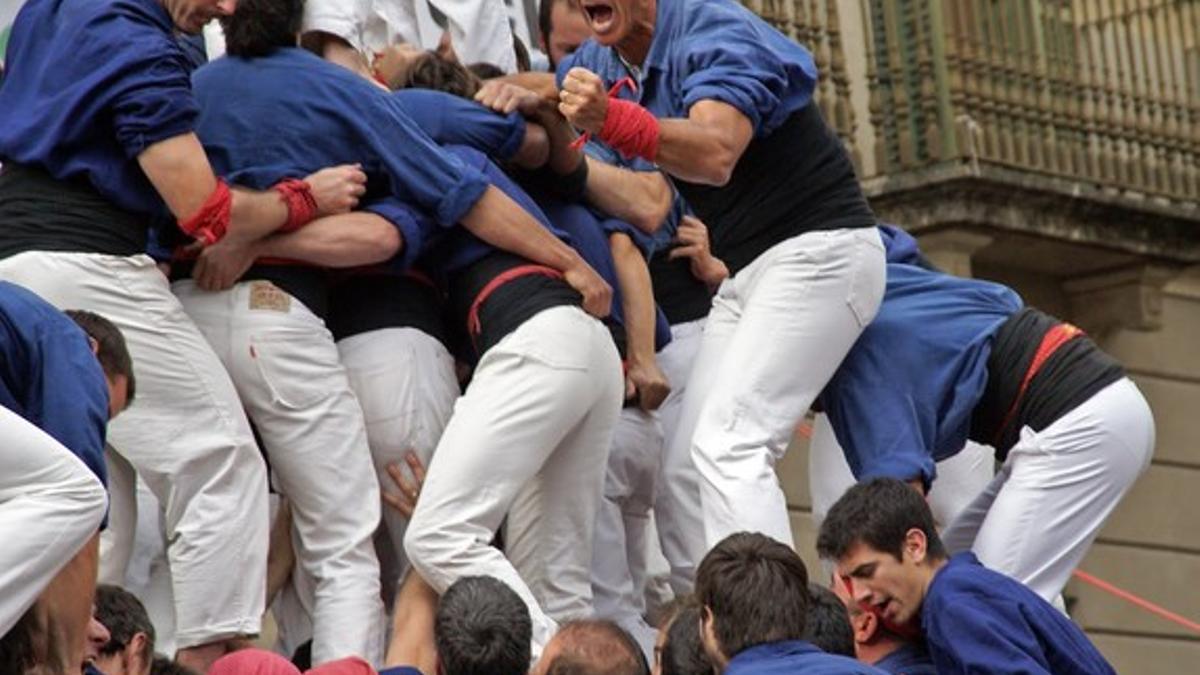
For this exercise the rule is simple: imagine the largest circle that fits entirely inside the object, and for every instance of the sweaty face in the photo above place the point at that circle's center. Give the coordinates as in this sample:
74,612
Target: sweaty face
894,588
610,20
568,29
190,16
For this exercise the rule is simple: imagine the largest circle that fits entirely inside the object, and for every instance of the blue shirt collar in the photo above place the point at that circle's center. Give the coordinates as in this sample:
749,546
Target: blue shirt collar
772,651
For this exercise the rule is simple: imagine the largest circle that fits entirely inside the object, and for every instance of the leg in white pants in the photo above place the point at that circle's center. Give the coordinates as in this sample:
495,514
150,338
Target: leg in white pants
777,332
405,382
50,506
959,478
677,512
117,540
535,422
1037,518
622,523
185,434
286,369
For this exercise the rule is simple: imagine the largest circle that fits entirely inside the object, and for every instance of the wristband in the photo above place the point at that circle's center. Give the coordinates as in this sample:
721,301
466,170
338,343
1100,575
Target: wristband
210,223
301,205
631,130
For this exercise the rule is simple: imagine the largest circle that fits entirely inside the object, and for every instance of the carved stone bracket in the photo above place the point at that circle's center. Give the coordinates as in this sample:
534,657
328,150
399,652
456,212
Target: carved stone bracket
951,250
1129,298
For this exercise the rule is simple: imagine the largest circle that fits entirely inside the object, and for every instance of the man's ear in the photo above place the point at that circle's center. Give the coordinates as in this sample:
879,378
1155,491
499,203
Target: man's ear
916,545
94,345
865,625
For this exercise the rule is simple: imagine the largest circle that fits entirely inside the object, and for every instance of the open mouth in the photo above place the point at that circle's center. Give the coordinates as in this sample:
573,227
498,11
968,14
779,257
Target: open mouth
600,15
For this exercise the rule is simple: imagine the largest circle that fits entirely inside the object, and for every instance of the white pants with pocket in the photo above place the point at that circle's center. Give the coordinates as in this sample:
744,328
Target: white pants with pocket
50,506
529,438
185,433
287,371
1037,518
777,331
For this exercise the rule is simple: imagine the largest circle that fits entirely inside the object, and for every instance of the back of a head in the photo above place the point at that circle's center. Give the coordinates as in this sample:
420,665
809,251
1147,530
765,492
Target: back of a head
878,513
756,589
111,350
433,71
683,650
482,627
259,27
161,665
124,616
594,647
829,622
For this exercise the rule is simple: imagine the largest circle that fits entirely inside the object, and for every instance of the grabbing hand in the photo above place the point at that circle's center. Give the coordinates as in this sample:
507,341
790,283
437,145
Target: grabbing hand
505,97
597,294
336,189
219,266
648,383
405,499
692,240
583,100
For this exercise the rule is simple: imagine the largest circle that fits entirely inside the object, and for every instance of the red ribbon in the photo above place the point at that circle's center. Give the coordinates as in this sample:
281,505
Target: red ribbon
301,205
211,222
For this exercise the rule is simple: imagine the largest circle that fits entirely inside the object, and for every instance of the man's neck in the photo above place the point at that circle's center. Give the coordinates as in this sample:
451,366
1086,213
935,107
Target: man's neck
636,45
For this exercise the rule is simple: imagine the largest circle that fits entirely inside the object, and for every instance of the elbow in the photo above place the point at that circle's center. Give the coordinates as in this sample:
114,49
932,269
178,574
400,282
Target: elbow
717,168
388,242
535,148
649,215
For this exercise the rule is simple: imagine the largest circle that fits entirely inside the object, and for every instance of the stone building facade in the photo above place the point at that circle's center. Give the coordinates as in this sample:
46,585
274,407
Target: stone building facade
1052,145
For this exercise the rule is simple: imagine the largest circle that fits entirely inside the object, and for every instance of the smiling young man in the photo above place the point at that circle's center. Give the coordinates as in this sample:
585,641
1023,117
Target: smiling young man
882,538
723,103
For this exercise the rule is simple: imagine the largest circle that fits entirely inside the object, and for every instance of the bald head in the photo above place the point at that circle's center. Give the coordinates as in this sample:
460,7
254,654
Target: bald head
592,647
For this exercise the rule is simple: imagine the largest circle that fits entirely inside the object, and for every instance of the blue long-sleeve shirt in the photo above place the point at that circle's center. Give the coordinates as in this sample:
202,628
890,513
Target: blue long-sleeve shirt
49,376
794,656
980,621
89,85
902,398
909,659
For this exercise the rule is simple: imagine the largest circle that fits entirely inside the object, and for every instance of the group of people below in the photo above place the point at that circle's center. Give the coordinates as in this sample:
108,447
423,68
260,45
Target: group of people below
545,335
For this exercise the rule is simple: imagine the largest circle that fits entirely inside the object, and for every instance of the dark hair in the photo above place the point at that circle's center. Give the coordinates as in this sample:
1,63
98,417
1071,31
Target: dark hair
259,27
124,616
879,514
683,650
829,622
161,665
431,71
482,627
756,589
522,53
18,650
597,647
112,352
484,70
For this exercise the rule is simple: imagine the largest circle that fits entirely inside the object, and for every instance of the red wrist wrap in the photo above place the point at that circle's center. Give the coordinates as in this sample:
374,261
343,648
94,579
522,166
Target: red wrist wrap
212,220
301,205
630,129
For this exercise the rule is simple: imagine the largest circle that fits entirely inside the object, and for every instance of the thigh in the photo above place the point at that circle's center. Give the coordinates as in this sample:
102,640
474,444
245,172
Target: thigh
829,474
960,478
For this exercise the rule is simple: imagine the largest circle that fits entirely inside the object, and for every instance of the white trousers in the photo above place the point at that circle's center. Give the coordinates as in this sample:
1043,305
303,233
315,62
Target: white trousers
530,438
623,522
959,478
287,371
50,506
776,333
185,434
479,29
1037,518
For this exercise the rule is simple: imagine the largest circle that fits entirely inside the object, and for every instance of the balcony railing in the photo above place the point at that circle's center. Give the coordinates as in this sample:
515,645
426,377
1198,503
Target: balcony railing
1105,92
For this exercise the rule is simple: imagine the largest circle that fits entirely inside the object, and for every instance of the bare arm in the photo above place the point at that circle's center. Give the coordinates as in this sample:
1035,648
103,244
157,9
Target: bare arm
643,376
640,198
501,222
346,240
535,147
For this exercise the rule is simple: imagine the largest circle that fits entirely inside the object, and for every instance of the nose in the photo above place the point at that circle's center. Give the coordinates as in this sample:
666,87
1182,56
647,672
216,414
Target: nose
858,591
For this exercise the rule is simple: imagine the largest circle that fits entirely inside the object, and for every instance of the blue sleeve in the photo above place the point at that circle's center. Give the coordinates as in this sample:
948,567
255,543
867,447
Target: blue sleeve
722,57
73,405
400,670
420,172
450,119
877,424
415,228
643,241
966,638
153,100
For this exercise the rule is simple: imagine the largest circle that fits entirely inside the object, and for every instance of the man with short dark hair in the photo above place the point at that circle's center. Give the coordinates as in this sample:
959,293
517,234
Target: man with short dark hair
592,647
562,29
130,646
881,536
482,628
754,591
828,622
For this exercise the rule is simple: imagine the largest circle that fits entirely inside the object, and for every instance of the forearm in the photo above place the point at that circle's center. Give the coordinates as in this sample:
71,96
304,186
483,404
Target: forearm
563,158
637,297
541,83
535,147
501,222
255,215
346,240
640,198
412,642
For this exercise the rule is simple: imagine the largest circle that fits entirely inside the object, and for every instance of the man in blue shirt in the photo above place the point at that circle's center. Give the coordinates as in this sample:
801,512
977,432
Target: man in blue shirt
723,103
947,359
881,536
96,137
61,380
